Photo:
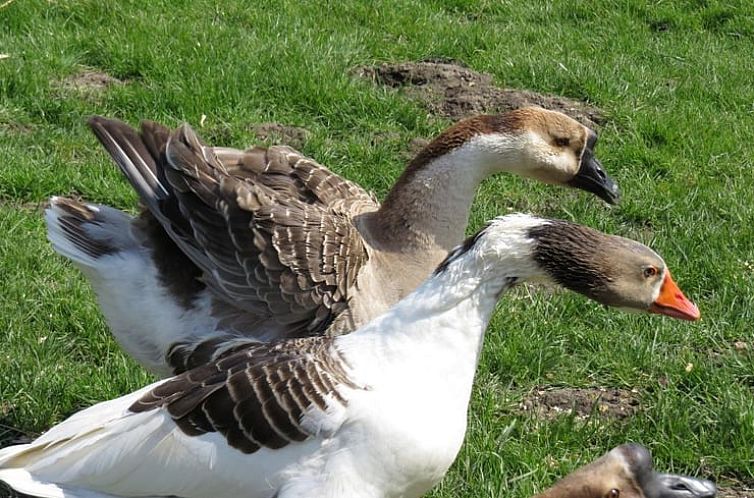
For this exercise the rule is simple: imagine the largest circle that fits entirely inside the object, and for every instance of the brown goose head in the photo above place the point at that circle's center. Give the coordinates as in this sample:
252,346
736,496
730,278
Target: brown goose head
627,472
532,142
611,270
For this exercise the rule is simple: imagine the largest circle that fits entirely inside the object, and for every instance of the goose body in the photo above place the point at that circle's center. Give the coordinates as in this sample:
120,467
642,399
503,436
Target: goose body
377,413
268,244
627,472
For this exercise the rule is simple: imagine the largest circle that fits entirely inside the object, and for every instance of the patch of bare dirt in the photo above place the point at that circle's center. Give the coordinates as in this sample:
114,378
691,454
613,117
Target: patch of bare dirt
276,134
89,81
36,206
553,402
381,137
415,146
16,128
740,345
735,492
450,89
736,349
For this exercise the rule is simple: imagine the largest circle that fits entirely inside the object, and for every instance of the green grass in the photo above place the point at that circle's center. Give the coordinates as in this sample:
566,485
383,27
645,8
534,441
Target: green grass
674,79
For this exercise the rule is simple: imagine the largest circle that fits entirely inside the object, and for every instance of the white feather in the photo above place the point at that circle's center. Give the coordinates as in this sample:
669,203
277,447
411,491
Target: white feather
144,317
396,437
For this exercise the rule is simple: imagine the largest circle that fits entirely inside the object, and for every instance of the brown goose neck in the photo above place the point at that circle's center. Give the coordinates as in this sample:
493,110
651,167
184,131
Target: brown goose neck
575,485
563,491
429,204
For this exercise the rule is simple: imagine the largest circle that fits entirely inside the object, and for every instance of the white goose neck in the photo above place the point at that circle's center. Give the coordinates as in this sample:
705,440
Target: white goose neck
426,348
464,290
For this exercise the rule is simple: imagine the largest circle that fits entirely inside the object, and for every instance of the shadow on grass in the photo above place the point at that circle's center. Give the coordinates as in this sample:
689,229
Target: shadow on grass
10,436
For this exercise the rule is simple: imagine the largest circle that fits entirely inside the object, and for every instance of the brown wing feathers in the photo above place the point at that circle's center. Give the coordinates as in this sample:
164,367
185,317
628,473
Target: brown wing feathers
133,156
256,396
138,156
304,249
270,229
288,173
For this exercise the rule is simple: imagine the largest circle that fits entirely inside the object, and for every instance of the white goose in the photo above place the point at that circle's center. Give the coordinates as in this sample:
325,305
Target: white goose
627,472
380,412
266,243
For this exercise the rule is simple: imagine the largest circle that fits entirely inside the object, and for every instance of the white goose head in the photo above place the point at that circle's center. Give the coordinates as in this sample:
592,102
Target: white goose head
532,142
611,270
627,472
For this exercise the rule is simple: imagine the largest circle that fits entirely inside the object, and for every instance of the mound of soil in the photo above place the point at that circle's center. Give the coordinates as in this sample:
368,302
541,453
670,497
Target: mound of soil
89,81
16,128
452,90
32,206
277,134
735,492
583,402
415,146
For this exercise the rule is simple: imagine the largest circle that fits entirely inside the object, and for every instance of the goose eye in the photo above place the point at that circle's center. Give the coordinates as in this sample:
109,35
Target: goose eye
614,493
650,271
562,142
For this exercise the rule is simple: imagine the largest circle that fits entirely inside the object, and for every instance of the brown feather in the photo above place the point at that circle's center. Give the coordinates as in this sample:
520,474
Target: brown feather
254,395
250,223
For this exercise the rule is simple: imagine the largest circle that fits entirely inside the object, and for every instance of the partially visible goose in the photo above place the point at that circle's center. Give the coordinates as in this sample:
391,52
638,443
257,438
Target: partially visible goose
377,413
266,243
627,472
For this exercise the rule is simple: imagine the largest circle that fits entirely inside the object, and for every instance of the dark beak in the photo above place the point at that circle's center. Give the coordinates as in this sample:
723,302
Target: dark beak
657,485
592,178
674,486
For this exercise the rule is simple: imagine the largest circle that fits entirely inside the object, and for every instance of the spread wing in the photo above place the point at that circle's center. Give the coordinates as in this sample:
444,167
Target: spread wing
260,395
270,230
293,175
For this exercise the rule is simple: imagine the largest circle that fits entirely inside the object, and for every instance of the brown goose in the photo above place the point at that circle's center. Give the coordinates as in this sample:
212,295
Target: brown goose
627,472
377,413
266,243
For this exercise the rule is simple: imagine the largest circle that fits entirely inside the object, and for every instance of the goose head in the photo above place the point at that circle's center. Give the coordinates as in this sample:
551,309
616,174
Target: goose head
627,472
532,142
611,270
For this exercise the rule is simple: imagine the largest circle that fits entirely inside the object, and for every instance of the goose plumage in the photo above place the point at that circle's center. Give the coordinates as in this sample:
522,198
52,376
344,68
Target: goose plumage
266,243
380,412
627,471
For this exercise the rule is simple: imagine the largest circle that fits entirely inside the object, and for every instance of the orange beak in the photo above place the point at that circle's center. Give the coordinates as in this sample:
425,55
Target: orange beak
672,302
